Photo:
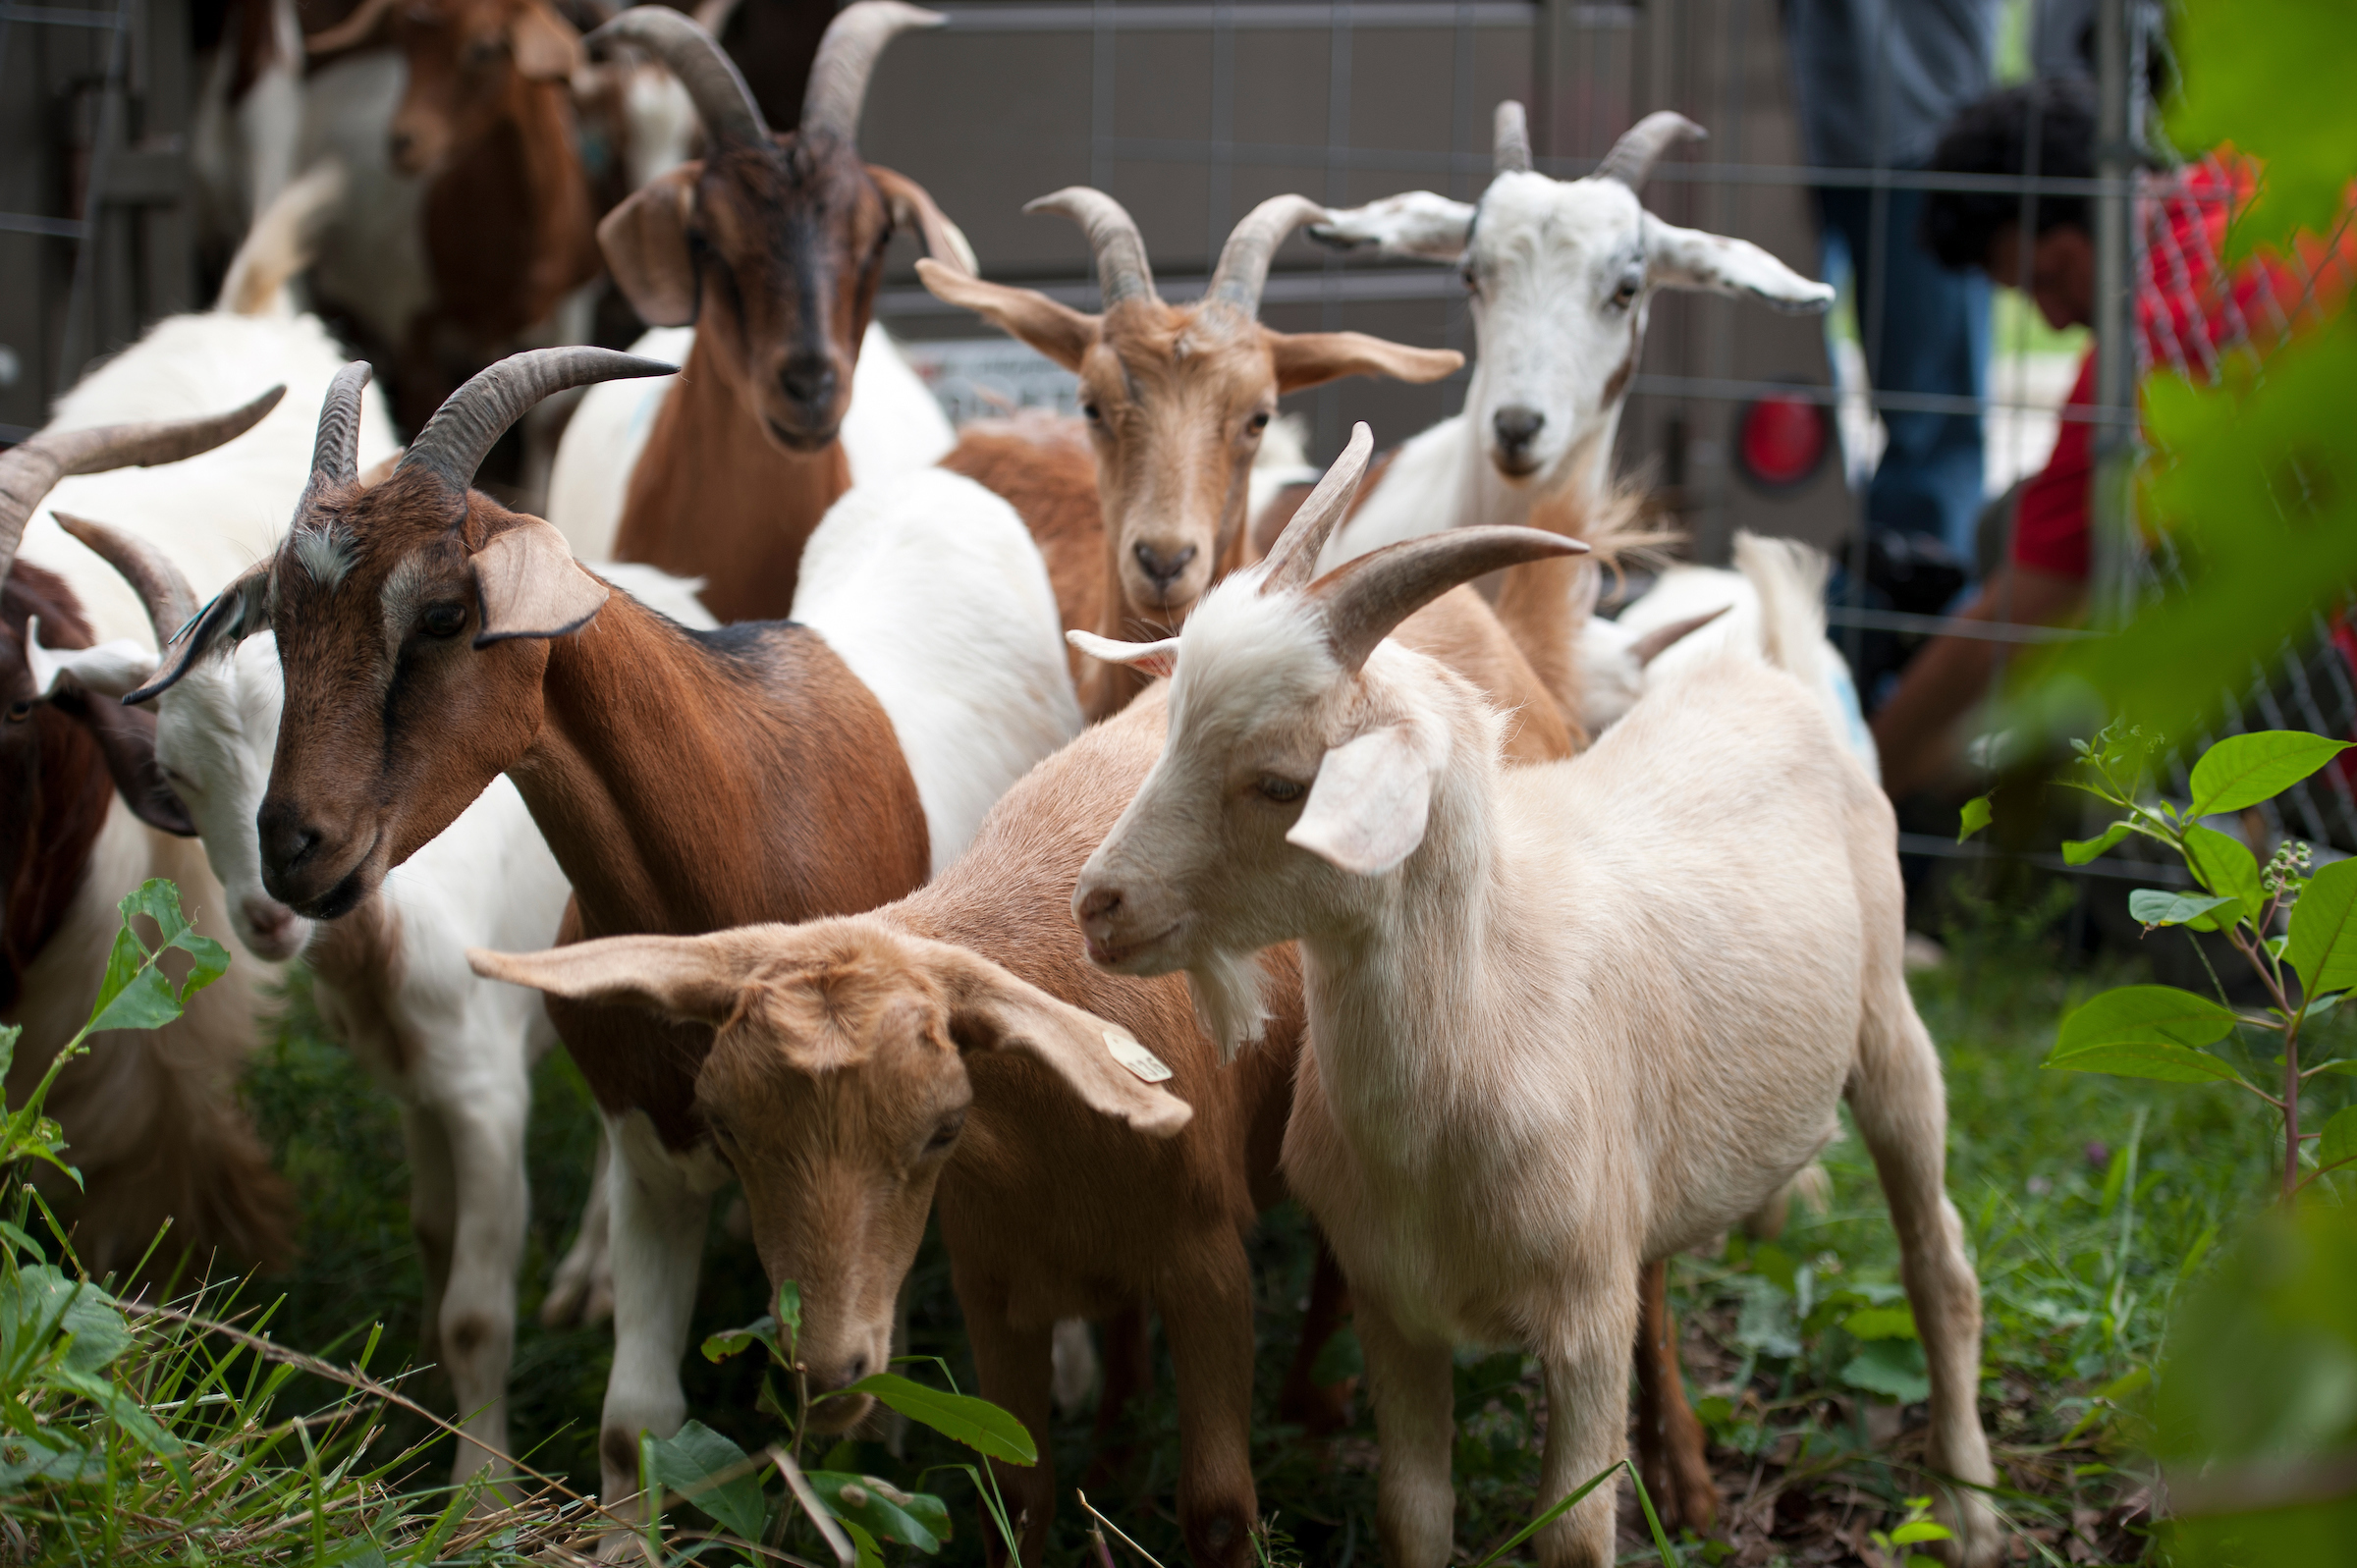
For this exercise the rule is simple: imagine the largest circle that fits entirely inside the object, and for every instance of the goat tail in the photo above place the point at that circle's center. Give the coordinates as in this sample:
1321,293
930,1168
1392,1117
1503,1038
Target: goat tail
282,242
1790,579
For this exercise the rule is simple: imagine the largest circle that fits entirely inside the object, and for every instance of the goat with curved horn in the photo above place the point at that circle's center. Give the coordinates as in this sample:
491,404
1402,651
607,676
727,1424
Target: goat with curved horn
1642,144
1510,141
1243,268
1293,560
714,84
847,58
455,440
28,471
1362,601
1121,269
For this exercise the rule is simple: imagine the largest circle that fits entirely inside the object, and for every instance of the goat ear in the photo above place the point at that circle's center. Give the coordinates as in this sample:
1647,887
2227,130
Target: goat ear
912,208
645,245
1154,660
1688,259
1416,224
126,738
546,47
1057,331
1653,644
109,670
693,979
532,588
1313,359
237,611
990,1009
1366,810
356,30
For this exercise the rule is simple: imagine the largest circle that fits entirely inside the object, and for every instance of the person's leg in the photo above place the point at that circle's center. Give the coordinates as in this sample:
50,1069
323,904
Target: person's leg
1932,338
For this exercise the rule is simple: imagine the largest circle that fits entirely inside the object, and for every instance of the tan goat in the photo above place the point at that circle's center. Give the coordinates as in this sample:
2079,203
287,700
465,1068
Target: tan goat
1562,1019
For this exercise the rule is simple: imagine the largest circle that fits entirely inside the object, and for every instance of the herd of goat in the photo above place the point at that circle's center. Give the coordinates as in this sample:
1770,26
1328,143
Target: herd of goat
1525,947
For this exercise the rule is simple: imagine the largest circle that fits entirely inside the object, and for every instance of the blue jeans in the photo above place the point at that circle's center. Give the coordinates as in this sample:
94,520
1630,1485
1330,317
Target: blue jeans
1934,338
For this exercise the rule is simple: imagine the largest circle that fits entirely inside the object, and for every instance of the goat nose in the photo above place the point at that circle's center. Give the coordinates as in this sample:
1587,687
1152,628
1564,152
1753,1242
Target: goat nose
831,1380
1098,907
808,380
1163,569
399,143
1516,426
287,839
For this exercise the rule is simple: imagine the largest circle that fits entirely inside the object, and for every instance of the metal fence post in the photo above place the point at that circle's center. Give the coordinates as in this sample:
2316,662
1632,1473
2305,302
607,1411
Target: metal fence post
2111,509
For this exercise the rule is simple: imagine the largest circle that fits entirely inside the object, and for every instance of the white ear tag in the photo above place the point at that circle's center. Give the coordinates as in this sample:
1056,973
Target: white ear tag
1138,1059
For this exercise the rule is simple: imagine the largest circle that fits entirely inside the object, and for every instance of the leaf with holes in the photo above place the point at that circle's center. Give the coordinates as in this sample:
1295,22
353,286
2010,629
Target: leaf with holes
2243,770
913,1519
731,1341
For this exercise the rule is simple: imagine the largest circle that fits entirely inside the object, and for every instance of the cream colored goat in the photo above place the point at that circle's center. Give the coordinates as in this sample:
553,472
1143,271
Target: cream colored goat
1563,1020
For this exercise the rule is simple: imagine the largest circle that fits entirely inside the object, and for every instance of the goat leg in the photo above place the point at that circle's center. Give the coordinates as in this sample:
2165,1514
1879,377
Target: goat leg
1670,1438
1207,1318
1129,1376
1319,1410
1015,1371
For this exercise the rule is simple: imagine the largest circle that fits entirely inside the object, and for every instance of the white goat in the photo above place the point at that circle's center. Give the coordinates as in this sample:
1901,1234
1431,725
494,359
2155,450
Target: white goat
1564,1018
391,979
893,426
152,1115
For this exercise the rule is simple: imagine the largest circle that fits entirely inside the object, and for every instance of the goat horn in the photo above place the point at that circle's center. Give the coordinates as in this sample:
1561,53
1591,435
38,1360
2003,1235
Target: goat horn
455,440
1510,141
1121,270
847,58
171,602
1363,600
1653,644
1293,560
336,449
28,471
1244,259
1633,157
714,84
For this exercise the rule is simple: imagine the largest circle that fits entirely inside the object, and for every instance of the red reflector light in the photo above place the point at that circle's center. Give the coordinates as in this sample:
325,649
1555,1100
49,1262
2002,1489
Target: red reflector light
1780,440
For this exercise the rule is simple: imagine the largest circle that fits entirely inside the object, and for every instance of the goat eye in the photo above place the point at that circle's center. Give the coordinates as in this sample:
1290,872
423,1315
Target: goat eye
1627,290
945,1134
20,710
1258,422
1282,791
1472,283
1092,413
444,620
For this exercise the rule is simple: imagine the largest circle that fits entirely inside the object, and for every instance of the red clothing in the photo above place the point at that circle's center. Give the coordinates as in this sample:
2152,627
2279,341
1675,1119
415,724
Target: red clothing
2191,311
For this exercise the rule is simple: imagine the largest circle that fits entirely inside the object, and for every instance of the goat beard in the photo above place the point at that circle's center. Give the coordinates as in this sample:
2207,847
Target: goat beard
1227,988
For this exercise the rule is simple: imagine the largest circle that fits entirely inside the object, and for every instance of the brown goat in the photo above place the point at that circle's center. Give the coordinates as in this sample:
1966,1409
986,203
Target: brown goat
685,782
773,245
487,119
959,1044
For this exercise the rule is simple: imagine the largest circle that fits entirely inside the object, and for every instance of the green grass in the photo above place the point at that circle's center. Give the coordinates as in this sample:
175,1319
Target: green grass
2087,1201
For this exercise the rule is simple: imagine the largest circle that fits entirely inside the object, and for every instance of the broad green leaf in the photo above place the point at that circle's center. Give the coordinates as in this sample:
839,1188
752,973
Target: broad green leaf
1882,1322
2159,1014
730,1341
134,992
42,1299
1892,1368
687,1460
2339,1140
9,1034
2317,1006
2323,944
1920,1530
1976,817
976,1422
2279,93
2079,851
144,1001
790,1309
882,1508
2243,770
2225,865
2152,906
2144,1059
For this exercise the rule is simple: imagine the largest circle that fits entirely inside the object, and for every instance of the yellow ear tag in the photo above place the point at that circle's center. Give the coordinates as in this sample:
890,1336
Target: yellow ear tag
1135,1057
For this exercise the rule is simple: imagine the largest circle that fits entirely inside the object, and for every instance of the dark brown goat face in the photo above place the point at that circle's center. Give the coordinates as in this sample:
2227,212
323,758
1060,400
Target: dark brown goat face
775,251
468,61
396,719
837,1088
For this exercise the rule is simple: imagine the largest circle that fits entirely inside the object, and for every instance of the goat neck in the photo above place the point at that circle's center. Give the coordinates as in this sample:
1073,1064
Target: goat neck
715,496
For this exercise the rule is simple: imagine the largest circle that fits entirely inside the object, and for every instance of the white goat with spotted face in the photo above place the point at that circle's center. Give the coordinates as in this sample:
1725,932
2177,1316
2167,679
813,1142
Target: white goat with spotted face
1564,1019
1560,272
